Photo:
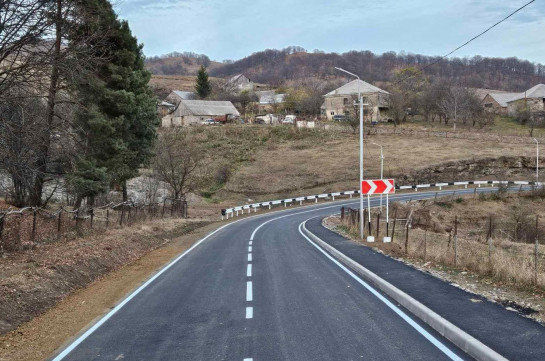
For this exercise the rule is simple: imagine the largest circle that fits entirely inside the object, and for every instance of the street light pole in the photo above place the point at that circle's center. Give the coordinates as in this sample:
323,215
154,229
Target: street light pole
537,160
360,101
381,170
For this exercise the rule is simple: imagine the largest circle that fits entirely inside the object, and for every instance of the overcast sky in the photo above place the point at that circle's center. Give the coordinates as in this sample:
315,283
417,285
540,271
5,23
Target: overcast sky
233,29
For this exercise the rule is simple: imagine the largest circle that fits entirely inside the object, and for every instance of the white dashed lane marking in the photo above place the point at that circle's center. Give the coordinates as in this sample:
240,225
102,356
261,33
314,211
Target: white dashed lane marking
249,293
249,270
249,312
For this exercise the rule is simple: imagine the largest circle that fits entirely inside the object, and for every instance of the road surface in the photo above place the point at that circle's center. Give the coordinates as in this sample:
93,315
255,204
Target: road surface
258,289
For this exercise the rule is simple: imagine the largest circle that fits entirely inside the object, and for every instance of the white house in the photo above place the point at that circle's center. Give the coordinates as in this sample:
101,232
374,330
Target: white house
341,100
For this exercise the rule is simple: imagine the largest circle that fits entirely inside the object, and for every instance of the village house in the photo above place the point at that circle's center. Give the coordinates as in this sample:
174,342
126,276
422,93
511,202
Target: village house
497,102
239,83
532,100
510,103
269,101
342,100
190,112
178,95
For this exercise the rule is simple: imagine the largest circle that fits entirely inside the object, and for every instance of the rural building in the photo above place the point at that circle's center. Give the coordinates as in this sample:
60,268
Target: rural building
497,102
239,83
269,100
177,95
189,112
341,100
164,108
533,100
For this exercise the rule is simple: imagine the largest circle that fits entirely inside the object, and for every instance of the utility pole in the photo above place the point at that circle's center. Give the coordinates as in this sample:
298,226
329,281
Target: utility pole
360,101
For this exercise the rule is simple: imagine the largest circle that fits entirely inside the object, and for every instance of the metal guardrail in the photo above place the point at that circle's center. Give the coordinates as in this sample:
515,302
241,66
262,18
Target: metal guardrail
226,212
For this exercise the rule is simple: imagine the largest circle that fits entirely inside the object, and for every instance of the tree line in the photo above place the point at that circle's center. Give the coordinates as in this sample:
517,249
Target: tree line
274,66
76,112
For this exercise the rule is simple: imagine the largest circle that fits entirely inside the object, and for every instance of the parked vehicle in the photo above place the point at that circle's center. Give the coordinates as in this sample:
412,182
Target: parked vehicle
289,119
340,118
209,121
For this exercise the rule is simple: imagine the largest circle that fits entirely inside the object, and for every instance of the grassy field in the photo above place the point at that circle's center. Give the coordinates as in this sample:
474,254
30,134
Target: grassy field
284,161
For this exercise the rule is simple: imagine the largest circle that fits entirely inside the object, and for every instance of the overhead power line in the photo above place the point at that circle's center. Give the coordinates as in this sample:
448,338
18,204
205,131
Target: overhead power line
470,40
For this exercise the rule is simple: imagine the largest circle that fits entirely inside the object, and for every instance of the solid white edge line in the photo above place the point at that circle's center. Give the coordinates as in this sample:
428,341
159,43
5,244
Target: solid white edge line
249,270
249,293
87,333
390,305
249,312
393,198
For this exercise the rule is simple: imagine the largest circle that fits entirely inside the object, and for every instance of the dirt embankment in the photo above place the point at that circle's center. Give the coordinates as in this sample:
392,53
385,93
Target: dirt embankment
501,168
34,281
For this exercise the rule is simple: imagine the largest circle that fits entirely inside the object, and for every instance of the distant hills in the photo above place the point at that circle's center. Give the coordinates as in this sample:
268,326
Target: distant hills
275,67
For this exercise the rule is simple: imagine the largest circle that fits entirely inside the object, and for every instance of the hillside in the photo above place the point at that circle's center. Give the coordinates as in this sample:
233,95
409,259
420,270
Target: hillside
276,66
175,63
162,85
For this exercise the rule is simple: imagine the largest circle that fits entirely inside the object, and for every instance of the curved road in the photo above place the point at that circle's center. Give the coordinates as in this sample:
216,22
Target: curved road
257,289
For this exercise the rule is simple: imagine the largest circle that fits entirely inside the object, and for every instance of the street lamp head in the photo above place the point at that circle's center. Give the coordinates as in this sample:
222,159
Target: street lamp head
347,72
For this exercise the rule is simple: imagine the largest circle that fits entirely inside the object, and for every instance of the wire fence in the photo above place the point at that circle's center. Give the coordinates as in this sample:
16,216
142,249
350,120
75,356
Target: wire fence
507,252
28,227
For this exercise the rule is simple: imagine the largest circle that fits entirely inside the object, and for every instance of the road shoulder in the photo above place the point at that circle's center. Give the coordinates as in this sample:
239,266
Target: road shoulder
488,322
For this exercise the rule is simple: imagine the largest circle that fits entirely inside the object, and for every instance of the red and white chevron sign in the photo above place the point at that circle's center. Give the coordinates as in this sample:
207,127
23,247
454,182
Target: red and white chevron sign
377,186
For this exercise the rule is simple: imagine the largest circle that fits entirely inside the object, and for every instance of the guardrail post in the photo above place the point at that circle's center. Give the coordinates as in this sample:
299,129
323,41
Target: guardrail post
378,224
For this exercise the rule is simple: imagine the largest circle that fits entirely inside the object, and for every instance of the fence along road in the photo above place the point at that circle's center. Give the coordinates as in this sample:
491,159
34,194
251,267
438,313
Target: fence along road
257,290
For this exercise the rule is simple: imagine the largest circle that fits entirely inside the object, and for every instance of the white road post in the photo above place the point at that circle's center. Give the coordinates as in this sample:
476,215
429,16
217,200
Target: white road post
360,100
537,160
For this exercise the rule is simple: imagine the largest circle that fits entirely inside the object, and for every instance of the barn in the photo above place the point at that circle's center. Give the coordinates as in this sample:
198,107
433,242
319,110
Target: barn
189,112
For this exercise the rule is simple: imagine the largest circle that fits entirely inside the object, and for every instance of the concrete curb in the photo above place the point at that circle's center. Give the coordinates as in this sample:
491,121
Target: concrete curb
457,336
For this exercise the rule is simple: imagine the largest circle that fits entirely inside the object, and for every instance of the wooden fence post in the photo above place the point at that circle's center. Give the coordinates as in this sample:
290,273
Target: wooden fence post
121,215
536,252
107,217
394,226
342,214
455,241
425,242
378,224
490,230
407,238
2,216
164,204
33,236
59,224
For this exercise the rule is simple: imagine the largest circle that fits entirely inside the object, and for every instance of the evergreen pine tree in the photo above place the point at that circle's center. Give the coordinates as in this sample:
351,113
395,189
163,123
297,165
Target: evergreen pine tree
203,86
118,123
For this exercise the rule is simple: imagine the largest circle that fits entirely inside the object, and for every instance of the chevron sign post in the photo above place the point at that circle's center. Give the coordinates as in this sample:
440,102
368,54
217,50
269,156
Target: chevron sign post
377,186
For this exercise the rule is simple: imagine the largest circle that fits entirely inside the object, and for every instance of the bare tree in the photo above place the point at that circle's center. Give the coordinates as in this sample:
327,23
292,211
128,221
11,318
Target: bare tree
180,161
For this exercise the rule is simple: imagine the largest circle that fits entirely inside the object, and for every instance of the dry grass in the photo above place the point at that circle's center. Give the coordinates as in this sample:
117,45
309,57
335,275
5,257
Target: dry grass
431,237
332,164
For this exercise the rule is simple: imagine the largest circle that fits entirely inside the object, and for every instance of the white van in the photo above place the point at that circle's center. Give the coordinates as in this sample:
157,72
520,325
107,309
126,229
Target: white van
289,119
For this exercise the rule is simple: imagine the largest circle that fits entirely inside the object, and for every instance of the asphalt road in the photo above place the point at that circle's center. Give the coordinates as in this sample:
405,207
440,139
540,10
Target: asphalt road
257,289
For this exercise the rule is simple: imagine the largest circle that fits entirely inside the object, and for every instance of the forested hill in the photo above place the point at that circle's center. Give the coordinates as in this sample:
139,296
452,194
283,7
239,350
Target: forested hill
276,66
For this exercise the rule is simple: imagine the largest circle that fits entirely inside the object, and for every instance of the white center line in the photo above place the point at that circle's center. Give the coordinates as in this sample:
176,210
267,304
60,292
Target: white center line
249,312
250,249
249,270
249,293
250,243
249,257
